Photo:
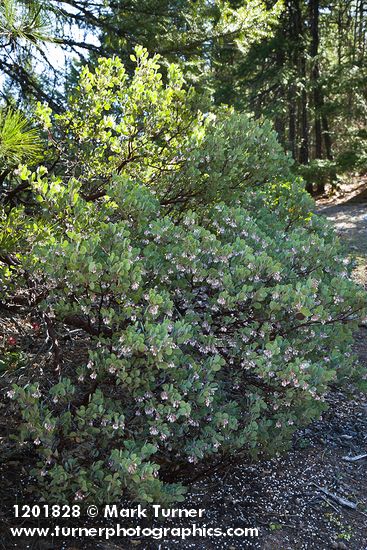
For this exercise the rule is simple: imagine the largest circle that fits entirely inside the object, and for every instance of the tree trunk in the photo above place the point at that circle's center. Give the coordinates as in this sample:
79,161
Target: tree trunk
292,120
327,137
314,7
303,153
279,119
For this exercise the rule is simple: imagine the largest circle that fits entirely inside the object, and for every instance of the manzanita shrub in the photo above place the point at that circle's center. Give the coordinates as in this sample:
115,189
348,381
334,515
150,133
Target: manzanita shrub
216,334
195,305
150,129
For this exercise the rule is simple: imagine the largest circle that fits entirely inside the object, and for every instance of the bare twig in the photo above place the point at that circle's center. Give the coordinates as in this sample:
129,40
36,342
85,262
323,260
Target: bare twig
354,458
340,500
329,503
52,336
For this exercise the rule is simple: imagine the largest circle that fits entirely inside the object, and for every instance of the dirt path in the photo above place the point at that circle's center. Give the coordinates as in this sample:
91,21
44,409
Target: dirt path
350,222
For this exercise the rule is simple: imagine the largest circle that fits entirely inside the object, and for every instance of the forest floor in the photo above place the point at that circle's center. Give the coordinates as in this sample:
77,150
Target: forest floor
308,499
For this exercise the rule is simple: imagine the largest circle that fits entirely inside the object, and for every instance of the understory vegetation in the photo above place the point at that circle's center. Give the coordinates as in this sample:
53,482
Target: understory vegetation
193,304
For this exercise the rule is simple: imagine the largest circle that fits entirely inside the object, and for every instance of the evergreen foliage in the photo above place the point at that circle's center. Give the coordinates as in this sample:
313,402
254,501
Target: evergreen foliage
19,142
150,131
213,310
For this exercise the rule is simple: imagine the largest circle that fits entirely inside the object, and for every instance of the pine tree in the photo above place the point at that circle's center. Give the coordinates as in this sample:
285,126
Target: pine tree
24,29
